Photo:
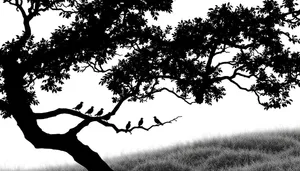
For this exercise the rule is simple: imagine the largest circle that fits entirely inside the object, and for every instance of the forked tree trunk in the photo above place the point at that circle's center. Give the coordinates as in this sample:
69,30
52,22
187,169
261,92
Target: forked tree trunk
24,116
69,143
81,153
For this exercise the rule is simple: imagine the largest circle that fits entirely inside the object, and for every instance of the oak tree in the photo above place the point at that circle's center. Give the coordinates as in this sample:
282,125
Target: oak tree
188,55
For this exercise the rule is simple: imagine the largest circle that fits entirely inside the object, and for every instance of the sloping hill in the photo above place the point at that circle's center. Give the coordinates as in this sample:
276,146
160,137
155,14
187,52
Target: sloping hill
263,151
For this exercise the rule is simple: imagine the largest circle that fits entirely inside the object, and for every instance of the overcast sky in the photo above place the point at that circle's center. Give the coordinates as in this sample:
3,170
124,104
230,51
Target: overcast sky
237,112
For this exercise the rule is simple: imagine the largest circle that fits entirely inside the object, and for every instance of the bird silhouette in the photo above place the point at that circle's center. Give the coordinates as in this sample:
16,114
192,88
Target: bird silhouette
157,121
128,125
100,112
141,122
106,117
90,111
79,106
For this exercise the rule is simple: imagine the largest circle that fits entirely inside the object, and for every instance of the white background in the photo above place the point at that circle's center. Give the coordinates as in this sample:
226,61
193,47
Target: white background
237,112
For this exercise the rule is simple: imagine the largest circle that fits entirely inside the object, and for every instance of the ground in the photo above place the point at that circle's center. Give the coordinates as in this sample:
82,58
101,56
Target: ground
260,151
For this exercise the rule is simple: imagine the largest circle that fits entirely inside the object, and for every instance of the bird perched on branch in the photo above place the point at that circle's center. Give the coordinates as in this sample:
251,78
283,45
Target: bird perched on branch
157,121
141,122
79,106
100,112
106,117
90,111
128,125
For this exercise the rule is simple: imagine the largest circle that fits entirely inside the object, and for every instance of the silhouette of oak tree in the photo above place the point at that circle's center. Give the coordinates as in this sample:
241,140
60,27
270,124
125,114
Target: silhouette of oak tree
184,55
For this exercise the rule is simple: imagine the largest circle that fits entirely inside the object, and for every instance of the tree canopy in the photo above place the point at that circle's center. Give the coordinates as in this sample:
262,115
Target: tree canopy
189,55
100,28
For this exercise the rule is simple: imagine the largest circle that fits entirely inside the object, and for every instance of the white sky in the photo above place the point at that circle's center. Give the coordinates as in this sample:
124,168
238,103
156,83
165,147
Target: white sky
237,112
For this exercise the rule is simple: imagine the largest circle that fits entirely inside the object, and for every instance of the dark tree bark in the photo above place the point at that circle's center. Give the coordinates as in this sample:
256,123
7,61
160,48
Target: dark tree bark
25,118
95,35
81,153
69,143
100,29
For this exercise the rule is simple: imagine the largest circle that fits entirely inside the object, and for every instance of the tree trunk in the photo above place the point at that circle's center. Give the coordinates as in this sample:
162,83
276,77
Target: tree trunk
81,153
20,109
67,142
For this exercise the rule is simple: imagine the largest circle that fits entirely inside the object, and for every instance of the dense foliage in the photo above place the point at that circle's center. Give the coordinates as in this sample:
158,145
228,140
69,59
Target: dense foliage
187,60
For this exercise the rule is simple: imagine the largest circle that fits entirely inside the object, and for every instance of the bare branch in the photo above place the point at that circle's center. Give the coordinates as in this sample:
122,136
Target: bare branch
107,124
232,63
147,129
93,65
239,86
104,70
258,98
180,97
248,90
234,74
246,76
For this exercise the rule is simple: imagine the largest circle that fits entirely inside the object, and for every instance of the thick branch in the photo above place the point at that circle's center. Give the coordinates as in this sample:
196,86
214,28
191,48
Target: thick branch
80,126
125,97
4,105
118,105
59,111
88,119
210,58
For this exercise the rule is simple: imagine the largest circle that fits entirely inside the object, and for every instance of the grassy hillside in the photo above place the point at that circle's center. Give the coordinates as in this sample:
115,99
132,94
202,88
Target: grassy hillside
268,151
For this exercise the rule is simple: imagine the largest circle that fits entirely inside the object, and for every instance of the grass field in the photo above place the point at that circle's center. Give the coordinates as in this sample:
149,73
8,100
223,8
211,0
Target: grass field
264,151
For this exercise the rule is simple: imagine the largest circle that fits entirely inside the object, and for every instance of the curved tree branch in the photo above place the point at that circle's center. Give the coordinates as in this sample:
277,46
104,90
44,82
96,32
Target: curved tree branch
118,130
174,93
88,119
234,74
239,86
232,63
94,67
147,129
59,111
258,99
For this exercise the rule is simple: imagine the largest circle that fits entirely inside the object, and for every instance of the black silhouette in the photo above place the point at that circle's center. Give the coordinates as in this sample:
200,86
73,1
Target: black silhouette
100,112
106,117
90,111
141,122
79,106
187,59
157,121
128,125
